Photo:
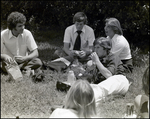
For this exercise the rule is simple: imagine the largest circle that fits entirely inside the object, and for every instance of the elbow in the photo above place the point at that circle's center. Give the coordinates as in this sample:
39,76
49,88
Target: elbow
66,49
37,54
109,74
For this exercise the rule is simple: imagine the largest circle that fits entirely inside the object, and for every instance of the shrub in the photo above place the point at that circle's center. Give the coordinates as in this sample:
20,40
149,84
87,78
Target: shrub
139,58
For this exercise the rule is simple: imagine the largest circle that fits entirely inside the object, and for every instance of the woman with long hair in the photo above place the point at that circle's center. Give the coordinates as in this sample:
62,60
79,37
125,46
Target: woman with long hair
80,102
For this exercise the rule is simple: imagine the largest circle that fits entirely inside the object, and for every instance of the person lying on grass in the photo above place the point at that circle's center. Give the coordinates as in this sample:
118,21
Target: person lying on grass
111,76
79,103
109,66
17,43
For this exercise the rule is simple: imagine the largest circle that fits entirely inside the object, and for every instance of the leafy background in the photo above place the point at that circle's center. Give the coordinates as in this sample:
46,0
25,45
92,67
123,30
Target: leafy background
57,15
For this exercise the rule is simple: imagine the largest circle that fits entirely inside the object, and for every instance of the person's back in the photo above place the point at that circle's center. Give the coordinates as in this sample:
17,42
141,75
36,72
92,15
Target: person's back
64,113
120,45
119,42
79,103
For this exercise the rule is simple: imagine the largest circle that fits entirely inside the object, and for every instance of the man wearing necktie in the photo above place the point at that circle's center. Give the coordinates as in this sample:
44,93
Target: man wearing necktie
78,38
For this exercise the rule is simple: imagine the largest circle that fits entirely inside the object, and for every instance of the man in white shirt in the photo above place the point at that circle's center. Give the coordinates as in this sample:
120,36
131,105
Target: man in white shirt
18,43
87,37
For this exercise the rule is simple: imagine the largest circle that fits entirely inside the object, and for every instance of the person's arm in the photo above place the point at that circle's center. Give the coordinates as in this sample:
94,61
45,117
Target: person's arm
103,70
33,54
67,50
6,58
67,41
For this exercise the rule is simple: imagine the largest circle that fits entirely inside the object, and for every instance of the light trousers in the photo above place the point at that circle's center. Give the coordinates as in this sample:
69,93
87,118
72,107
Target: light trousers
116,84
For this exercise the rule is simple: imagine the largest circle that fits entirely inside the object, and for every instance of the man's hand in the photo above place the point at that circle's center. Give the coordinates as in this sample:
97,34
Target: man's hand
20,59
82,54
6,58
103,38
94,57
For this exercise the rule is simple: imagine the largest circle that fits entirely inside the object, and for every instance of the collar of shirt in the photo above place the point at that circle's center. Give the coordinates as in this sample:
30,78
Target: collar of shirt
11,35
75,29
114,37
106,58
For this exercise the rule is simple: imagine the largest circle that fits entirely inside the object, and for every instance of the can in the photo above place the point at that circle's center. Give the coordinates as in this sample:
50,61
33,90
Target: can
129,109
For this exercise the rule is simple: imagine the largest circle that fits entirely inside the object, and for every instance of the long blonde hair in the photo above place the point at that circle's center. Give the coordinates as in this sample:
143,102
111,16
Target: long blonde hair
80,97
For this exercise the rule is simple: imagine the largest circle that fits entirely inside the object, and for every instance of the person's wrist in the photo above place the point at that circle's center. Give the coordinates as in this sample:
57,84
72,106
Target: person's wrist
88,52
27,58
72,53
96,62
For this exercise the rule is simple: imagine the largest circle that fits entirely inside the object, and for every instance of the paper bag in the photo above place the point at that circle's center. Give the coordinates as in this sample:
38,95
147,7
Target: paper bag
13,71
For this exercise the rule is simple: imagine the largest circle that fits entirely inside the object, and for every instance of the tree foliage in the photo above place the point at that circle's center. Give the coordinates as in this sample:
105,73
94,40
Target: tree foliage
133,16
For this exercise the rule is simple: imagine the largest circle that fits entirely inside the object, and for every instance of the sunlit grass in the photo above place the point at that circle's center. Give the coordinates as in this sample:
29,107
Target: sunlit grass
28,99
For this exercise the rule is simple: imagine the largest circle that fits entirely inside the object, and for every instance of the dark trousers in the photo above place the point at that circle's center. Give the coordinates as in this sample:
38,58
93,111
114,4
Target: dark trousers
35,64
61,53
127,64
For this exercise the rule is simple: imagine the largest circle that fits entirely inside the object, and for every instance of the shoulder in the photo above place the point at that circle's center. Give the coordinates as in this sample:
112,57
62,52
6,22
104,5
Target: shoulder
70,27
64,113
121,39
4,32
88,28
26,31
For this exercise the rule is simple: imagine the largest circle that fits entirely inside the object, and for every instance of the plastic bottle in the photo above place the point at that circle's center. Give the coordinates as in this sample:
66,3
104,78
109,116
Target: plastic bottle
71,77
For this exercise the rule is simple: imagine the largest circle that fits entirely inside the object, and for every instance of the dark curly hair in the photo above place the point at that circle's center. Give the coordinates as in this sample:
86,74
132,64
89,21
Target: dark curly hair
14,18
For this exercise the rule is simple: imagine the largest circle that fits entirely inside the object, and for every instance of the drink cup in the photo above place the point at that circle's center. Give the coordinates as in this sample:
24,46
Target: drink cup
129,109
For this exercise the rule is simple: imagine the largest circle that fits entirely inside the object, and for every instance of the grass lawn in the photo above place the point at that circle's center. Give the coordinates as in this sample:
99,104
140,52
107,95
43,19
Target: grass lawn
28,99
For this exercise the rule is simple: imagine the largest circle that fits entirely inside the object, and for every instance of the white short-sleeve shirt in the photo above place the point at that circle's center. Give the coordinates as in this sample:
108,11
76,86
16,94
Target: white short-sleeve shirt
20,45
64,113
87,36
120,47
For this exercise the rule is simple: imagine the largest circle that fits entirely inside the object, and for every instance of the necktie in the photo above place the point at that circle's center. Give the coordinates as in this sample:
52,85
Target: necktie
77,44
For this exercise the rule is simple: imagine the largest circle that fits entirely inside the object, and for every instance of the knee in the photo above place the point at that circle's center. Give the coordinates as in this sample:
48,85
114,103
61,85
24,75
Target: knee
38,62
137,102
